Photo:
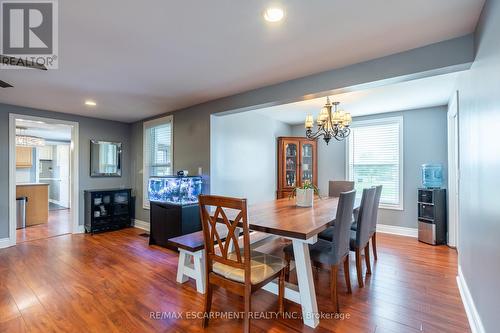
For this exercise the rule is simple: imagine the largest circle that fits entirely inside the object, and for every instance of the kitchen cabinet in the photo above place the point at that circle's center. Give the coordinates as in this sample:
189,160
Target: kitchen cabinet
45,153
24,157
297,163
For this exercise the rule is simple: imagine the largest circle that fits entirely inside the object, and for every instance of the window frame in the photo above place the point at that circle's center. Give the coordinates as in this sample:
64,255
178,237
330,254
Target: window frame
145,149
380,121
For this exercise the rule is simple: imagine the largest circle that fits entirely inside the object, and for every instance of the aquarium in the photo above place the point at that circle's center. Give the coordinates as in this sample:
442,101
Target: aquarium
432,175
179,190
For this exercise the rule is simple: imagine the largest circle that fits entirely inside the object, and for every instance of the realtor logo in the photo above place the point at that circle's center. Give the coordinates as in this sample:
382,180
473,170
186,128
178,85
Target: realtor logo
30,31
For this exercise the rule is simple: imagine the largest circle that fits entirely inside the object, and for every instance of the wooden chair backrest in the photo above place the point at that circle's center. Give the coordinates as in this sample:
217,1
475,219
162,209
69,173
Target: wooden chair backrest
335,187
217,212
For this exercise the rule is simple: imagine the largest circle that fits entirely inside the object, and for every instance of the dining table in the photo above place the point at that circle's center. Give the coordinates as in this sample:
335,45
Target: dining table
267,220
301,225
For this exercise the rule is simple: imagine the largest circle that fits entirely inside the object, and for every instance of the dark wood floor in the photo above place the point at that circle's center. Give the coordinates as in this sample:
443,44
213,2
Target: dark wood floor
111,282
58,224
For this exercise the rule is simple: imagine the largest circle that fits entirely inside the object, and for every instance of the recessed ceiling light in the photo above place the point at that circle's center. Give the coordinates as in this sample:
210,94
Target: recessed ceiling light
90,103
274,14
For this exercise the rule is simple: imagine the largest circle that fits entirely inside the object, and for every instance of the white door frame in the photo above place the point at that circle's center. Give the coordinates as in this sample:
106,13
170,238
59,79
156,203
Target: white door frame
453,171
74,161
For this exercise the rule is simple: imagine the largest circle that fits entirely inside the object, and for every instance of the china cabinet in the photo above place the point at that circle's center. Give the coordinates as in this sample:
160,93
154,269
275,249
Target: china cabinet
297,163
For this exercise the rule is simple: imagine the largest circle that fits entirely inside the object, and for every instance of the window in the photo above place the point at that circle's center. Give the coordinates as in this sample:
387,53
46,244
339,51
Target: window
157,153
108,158
375,157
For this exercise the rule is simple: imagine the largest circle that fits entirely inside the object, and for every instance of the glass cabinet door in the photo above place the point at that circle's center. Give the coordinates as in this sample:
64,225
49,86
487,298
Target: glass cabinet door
307,163
291,150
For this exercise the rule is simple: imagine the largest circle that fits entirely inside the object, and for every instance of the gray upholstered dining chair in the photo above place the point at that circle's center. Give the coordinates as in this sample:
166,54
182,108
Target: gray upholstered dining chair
360,238
334,251
373,230
335,187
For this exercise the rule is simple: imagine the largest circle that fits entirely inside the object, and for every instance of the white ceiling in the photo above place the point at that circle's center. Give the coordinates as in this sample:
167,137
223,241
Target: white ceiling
54,132
427,92
142,58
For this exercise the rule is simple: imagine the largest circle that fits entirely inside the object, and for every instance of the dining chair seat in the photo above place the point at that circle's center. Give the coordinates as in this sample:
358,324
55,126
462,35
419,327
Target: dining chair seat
262,266
320,252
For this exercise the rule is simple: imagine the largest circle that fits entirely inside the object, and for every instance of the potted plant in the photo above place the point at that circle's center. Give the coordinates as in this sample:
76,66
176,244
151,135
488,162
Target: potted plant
305,194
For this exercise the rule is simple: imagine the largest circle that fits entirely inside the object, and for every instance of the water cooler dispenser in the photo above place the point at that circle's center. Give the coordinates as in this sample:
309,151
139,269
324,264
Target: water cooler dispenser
432,220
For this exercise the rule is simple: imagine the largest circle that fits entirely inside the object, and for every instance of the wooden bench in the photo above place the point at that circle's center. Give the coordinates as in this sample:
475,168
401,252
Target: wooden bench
192,255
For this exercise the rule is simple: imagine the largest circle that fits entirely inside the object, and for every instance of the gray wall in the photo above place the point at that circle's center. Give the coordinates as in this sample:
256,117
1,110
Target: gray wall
90,128
479,117
191,151
424,141
244,155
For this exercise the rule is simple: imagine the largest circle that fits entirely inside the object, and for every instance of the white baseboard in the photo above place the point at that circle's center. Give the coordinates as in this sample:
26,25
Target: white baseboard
395,230
476,325
142,225
5,242
59,203
80,229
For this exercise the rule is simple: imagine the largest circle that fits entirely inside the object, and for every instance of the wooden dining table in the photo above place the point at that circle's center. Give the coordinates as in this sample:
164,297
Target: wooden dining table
301,225
278,218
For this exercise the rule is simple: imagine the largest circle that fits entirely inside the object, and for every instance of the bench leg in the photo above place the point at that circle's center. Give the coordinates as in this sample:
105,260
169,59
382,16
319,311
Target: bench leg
199,271
184,261
195,270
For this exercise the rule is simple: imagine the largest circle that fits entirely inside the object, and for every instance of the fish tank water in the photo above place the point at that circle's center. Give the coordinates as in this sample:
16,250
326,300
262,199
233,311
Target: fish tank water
178,190
432,175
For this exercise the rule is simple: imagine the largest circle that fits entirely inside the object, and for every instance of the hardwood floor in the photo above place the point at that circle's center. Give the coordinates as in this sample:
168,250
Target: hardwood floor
112,282
58,224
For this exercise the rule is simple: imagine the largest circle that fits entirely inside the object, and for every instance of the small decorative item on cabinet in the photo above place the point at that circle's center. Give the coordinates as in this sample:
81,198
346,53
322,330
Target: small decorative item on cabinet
297,163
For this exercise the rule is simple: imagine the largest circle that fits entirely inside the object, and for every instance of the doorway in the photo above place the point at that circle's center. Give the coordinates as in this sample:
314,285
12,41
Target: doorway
43,178
453,171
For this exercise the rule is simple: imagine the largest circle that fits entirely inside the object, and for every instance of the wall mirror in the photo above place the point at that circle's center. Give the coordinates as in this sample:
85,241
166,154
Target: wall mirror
105,159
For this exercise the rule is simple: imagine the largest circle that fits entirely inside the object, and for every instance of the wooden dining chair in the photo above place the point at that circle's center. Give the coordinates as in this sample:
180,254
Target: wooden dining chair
335,187
235,268
334,251
360,238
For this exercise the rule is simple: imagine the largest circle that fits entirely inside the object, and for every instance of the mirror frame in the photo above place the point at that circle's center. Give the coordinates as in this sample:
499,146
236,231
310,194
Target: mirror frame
93,144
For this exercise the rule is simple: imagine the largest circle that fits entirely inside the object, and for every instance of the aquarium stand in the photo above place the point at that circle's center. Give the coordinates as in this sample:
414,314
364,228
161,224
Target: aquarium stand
172,220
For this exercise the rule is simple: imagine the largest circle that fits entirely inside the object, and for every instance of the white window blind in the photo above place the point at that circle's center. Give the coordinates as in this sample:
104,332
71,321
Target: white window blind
375,158
158,151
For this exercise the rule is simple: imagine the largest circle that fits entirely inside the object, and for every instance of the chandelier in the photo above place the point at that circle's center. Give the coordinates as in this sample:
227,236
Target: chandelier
331,124
28,140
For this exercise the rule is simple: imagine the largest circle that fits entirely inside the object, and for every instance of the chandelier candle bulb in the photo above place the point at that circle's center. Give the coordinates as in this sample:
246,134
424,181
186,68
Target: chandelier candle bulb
309,121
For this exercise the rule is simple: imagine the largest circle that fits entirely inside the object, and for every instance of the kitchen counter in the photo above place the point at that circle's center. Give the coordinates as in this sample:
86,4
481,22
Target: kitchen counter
37,206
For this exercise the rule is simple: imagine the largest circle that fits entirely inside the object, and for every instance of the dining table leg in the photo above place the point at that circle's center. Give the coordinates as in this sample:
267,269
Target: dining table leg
305,282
